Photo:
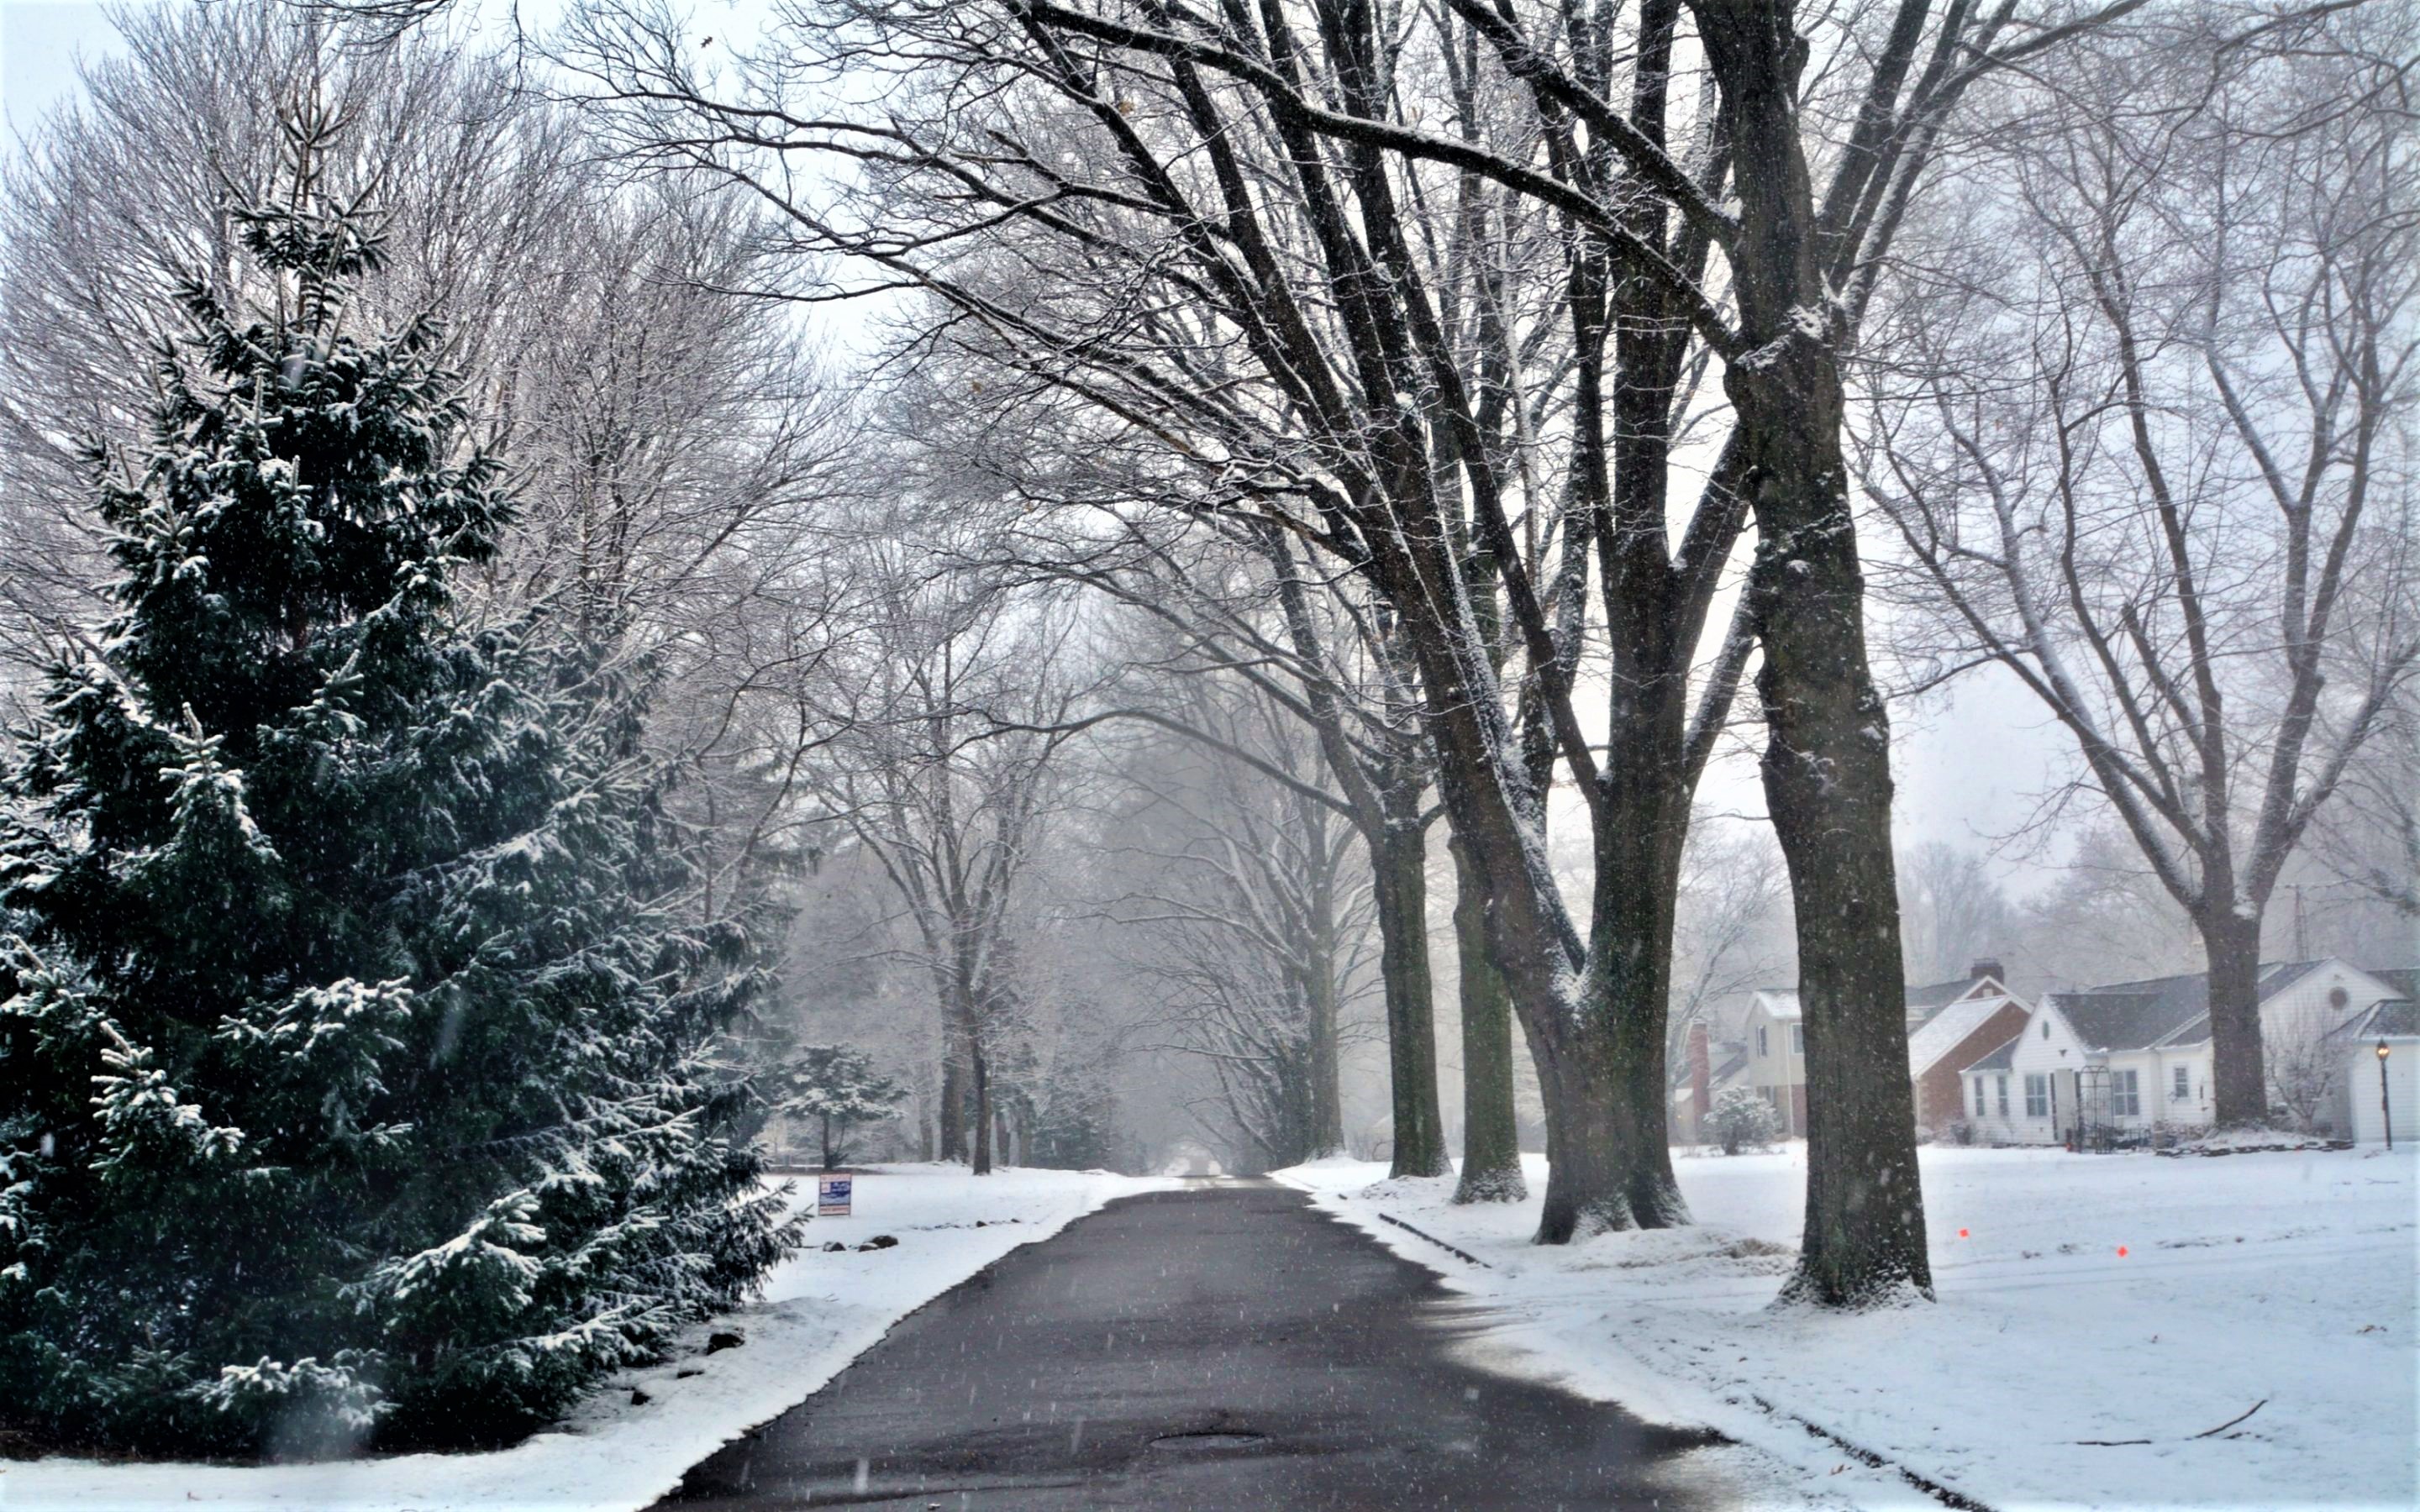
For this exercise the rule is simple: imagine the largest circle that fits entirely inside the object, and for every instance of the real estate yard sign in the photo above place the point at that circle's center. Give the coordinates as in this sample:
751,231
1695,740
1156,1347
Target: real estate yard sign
831,1196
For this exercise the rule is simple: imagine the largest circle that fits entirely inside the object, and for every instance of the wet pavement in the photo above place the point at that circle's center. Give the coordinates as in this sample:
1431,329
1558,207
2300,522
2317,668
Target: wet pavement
1225,1346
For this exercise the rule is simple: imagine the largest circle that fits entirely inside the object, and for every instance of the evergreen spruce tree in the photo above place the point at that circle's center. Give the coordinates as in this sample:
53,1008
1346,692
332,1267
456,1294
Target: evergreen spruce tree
836,1086
352,1087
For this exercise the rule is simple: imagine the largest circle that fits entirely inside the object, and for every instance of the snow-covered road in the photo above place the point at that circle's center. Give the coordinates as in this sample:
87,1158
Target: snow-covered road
1222,1349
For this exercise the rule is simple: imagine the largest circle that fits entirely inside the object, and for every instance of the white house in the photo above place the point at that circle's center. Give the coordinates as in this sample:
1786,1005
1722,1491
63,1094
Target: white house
2132,1055
1776,1055
2372,1086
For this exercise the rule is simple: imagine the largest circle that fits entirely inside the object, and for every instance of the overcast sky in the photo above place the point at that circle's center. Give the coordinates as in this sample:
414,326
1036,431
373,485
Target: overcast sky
40,42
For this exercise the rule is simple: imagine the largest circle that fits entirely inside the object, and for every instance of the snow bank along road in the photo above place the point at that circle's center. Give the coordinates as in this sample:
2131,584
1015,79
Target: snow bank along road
630,1444
1222,1347
2105,1323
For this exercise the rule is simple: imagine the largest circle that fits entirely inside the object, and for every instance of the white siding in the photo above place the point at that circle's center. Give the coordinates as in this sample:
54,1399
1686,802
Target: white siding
2193,1109
2307,1006
1773,1057
2055,1056
2296,1025
2155,1071
2403,1088
1993,1127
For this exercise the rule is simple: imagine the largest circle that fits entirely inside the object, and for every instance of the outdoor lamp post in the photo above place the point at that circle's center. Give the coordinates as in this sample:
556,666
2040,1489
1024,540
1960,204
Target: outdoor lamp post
2386,1107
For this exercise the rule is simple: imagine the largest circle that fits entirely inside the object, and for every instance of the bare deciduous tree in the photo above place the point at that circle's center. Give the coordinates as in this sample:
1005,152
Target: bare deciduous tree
2140,430
1254,921
945,719
1241,240
1952,911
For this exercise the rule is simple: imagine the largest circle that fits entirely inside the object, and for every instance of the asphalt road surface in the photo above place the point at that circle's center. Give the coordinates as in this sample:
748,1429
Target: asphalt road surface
1227,1346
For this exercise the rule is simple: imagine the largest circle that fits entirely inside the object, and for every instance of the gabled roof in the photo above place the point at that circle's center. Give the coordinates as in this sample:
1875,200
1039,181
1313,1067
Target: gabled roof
2277,975
2395,1017
1781,1003
1950,1028
2000,1059
2138,1015
2404,979
1929,1000
2162,1010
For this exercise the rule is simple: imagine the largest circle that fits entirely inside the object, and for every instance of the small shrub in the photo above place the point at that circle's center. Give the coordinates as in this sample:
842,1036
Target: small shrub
1742,1117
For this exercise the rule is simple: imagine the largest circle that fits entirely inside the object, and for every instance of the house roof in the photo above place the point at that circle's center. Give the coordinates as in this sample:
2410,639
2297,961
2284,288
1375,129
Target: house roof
2277,975
2404,979
2138,1015
2395,1017
1929,1000
1950,1028
2000,1059
1781,1003
2164,1011
1727,1059
2160,1011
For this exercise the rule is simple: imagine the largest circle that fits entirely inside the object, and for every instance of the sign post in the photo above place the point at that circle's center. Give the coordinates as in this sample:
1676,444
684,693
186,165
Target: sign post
831,1196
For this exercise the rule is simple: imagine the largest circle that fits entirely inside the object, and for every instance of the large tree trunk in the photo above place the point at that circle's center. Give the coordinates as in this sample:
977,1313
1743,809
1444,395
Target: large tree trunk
979,1111
1491,1139
1826,764
1630,948
1588,1184
2239,1071
1827,782
1399,859
953,1095
1324,1096
1568,1014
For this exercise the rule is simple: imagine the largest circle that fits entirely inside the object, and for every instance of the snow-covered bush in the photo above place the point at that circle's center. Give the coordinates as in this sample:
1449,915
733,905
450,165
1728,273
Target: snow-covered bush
351,1087
1741,1116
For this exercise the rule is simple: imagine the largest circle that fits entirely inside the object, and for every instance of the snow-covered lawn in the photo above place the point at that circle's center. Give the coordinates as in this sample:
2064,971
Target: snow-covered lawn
2109,1298
820,1311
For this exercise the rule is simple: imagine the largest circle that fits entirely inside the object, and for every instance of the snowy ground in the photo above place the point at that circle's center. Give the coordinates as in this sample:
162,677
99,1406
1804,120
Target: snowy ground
819,1312
2082,1297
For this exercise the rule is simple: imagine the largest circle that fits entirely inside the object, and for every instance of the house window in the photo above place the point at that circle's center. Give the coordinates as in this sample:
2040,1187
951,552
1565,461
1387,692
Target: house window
1762,1049
1979,1109
2125,1094
2037,1095
2180,1083
2045,1028
2004,1097
1798,1039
